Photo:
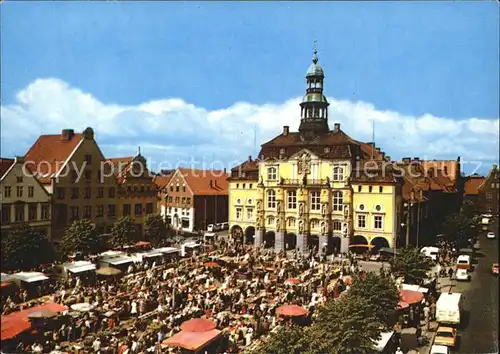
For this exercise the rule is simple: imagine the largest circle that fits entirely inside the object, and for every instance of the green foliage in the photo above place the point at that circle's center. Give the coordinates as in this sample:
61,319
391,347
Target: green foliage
350,324
155,230
346,325
80,236
459,228
469,209
124,232
381,293
412,264
287,340
23,248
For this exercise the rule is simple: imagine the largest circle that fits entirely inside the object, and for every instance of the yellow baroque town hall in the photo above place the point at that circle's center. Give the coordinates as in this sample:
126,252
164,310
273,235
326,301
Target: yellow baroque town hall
316,187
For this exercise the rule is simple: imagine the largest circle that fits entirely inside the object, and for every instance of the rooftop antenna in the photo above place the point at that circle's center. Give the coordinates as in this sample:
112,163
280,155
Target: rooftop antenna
138,150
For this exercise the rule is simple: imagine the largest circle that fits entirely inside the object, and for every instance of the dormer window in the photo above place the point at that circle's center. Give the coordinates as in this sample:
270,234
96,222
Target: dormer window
272,174
361,207
338,173
282,151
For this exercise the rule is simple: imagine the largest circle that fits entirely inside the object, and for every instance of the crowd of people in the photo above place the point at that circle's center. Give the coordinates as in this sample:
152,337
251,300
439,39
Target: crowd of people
238,287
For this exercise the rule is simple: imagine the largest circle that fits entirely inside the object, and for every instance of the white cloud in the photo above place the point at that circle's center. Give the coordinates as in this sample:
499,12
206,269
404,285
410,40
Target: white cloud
171,129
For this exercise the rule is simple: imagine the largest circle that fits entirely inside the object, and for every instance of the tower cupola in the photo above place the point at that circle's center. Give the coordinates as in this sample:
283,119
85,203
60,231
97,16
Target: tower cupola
314,106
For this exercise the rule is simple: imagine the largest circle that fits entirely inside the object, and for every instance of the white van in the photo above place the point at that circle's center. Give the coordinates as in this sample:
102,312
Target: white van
431,252
463,262
449,308
209,236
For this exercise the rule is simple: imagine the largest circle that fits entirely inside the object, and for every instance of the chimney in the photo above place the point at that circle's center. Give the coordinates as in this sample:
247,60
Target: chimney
249,158
406,159
67,134
371,143
210,183
336,127
215,183
286,130
225,170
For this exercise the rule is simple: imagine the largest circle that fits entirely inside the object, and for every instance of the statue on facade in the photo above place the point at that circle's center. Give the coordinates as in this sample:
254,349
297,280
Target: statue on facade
278,225
301,226
258,205
278,206
301,209
327,181
323,228
323,209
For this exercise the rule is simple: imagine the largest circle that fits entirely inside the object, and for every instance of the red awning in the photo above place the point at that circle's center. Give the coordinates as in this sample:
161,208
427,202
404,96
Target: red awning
403,305
198,325
18,322
192,340
5,284
293,281
142,243
211,265
291,310
410,296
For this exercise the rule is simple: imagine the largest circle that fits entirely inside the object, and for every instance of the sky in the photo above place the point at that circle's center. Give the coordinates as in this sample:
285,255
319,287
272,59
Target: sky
207,83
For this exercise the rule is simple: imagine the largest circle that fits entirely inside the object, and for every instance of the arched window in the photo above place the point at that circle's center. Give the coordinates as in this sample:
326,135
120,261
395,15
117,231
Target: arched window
337,225
291,222
338,173
270,220
337,201
271,198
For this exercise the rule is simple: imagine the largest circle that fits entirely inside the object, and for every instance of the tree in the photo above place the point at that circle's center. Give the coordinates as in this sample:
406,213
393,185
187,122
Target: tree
469,209
80,236
124,232
23,248
155,230
345,325
381,292
411,264
287,340
458,228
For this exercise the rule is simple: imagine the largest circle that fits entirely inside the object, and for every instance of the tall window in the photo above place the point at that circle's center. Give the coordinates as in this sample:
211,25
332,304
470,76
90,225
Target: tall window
32,211
31,191
272,173
87,193
338,173
126,209
99,211
5,213
378,222
291,222
238,213
45,211
74,193
100,192
75,213
138,209
111,210
19,190
292,199
149,208
250,214
315,200
362,221
270,220
314,223
337,225
19,212
489,195
6,191
87,211
338,201
271,198
111,192
88,159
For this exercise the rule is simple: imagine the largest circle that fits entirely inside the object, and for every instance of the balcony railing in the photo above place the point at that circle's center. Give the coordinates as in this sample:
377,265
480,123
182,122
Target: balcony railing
302,182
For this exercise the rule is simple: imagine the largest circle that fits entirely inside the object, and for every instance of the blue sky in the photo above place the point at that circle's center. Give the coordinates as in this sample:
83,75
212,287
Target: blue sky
244,61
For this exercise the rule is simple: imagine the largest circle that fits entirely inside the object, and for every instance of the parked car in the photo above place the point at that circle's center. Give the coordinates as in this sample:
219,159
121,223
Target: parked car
375,257
490,235
439,349
494,268
446,336
462,274
225,226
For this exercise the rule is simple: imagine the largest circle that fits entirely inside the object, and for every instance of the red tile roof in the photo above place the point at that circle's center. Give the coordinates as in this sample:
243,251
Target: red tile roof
449,168
472,183
122,165
48,154
18,322
162,180
4,165
206,182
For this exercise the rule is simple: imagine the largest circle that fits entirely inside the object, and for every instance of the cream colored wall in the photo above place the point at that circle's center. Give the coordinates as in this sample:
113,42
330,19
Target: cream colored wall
40,196
387,200
247,200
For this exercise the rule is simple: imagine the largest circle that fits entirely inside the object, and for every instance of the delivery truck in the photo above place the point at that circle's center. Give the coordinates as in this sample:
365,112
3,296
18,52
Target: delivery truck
449,308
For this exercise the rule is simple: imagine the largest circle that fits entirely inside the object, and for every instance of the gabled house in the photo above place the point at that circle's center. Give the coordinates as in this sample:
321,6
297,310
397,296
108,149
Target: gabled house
23,197
194,198
72,168
489,192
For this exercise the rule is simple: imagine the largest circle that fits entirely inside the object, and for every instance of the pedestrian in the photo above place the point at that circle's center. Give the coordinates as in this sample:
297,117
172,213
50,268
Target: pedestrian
399,351
450,272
